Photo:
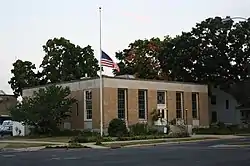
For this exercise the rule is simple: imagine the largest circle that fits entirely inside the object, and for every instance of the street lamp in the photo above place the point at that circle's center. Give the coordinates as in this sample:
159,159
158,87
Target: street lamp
186,111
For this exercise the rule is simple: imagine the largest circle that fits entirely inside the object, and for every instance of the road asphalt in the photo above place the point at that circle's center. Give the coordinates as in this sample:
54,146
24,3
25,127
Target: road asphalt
196,154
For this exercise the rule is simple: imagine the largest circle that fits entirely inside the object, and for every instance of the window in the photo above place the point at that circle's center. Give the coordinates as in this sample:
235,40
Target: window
121,103
213,100
227,104
142,103
88,104
179,104
195,105
160,97
214,116
77,109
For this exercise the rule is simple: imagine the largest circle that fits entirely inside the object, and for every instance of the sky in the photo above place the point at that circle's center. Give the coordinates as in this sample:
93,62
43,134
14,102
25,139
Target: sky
26,25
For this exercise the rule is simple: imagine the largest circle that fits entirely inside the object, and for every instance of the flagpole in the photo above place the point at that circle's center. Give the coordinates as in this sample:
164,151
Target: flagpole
101,105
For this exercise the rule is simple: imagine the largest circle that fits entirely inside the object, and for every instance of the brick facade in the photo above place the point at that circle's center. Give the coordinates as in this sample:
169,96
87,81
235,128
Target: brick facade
110,101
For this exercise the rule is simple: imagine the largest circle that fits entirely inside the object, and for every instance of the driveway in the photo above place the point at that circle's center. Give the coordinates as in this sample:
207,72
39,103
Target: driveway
195,154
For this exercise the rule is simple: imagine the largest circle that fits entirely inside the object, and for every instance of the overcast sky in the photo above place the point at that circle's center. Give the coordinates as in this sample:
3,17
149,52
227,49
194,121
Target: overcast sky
27,24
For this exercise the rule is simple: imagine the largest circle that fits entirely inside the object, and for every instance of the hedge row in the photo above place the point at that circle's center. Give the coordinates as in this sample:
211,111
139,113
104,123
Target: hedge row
85,139
221,131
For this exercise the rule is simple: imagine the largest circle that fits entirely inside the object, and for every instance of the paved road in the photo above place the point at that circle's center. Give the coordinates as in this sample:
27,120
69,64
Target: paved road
195,154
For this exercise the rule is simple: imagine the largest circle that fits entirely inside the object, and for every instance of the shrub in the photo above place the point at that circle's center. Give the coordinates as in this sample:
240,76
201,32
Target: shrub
139,129
86,139
117,128
98,140
222,130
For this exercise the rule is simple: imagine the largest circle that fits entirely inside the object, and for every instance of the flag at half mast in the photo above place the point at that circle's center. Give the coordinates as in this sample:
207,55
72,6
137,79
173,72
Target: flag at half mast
108,62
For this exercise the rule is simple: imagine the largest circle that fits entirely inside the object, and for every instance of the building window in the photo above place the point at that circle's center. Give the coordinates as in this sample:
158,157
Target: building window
77,109
88,104
214,117
179,104
142,103
227,104
213,100
121,103
161,97
195,105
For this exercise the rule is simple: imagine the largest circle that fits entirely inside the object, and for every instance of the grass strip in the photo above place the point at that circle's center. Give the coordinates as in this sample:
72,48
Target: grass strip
124,144
21,145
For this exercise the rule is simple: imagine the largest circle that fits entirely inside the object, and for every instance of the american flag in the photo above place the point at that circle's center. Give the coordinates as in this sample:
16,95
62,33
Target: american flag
108,62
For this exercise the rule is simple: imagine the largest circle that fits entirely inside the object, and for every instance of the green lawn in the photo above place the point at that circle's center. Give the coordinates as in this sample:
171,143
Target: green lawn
45,139
20,145
150,142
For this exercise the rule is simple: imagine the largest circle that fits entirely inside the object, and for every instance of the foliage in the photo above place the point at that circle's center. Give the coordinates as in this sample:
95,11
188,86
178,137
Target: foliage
173,122
98,139
23,76
46,110
154,115
141,59
178,131
86,139
64,61
139,129
214,52
69,146
142,129
226,130
117,128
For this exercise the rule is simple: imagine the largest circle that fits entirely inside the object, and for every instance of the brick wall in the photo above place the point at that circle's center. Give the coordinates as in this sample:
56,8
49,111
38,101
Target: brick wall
5,103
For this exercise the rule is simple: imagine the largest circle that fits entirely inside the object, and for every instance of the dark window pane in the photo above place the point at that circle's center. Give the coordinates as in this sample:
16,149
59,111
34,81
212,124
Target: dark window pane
160,97
213,99
142,104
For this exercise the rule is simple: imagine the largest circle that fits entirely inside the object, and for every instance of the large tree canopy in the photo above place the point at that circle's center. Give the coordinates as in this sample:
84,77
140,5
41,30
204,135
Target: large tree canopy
141,59
45,110
215,51
65,61
24,75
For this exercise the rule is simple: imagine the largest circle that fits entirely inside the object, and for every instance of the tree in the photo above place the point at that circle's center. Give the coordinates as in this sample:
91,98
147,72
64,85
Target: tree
45,110
141,59
65,61
23,76
214,52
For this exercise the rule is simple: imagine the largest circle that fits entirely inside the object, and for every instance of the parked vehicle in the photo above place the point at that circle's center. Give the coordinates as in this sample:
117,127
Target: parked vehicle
6,128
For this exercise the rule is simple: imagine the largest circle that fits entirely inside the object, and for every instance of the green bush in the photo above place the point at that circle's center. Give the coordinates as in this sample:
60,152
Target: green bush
117,128
143,129
86,139
99,140
222,130
139,129
145,137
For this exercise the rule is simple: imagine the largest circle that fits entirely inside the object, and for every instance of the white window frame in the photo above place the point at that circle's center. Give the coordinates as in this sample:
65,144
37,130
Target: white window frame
85,103
145,104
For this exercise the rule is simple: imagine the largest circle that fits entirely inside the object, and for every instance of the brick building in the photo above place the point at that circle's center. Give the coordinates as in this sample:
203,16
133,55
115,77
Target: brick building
133,100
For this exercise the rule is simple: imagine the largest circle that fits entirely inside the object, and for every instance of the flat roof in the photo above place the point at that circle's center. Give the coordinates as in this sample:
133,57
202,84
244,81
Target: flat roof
119,78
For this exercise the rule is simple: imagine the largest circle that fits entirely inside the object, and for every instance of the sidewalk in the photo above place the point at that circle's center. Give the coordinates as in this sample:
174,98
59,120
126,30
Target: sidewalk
92,144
